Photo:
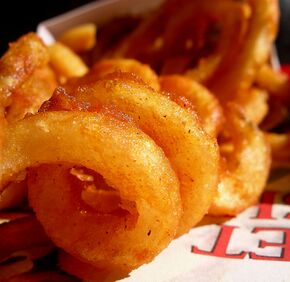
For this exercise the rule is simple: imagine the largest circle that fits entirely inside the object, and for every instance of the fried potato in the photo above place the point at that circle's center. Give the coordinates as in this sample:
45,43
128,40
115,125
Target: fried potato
65,62
254,51
18,63
245,165
280,145
276,83
129,161
80,38
173,128
254,104
191,37
28,98
205,103
144,72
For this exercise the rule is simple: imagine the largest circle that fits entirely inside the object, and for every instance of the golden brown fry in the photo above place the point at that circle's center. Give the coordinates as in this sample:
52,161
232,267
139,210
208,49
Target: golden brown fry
254,104
254,52
18,63
173,128
245,167
224,31
280,147
28,98
80,38
92,134
191,37
276,83
104,67
65,62
206,105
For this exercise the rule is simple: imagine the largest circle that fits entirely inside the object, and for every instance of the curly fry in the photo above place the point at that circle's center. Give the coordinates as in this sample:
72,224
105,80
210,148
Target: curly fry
31,94
245,167
254,104
205,104
175,130
104,67
18,63
112,148
255,51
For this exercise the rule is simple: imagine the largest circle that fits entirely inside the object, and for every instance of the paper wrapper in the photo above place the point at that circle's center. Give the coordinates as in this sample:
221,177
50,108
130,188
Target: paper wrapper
254,246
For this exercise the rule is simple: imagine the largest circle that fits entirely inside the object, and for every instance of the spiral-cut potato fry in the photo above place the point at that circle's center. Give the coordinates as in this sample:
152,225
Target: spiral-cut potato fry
31,94
254,103
244,167
102,68
205,104
191,37
222,46
206,35
17,64
113,149
174,129
254,51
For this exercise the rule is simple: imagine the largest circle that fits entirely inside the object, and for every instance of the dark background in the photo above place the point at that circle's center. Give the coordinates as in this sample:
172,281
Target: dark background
19,17
22,16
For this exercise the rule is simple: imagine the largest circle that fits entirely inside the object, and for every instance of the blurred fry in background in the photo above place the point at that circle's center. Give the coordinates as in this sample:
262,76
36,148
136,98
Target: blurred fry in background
19,17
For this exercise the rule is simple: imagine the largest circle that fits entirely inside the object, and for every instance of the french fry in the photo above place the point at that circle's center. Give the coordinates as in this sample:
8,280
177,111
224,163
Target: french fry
80,38
276,83
280,144
65,62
